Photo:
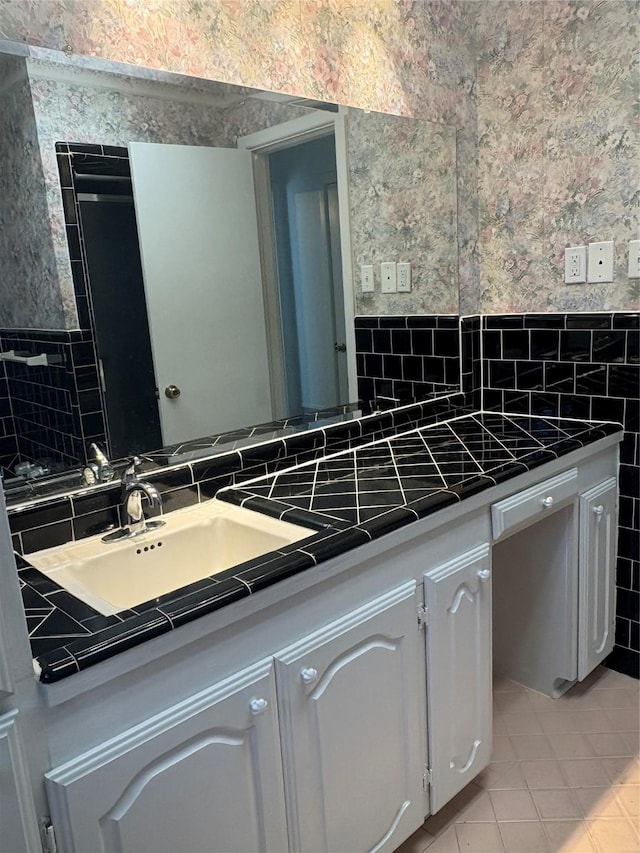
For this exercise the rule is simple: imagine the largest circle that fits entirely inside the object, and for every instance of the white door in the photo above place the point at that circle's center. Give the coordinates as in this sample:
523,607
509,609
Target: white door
352,729
203,777
459,680
197,228
597,584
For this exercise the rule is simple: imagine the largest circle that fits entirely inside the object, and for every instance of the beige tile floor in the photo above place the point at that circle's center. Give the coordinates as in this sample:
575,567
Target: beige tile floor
564,776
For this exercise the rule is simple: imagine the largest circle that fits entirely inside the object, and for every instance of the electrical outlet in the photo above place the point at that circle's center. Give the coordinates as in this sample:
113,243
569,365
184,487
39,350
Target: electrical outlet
388,276
600,266
633,270
404,278
575,265
366,278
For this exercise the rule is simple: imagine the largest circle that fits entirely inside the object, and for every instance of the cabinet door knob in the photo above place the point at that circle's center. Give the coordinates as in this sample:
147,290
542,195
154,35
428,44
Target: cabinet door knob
547,502
308,674
598,510
258,706
484,575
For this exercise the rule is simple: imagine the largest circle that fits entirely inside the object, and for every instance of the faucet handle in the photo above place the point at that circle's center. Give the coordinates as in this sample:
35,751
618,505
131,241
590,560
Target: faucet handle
98,453
130,474
102,469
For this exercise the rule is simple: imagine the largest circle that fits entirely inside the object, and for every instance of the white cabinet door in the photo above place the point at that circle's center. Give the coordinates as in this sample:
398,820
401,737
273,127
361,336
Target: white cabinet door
598,540
18,822
352,729
205,775
459,688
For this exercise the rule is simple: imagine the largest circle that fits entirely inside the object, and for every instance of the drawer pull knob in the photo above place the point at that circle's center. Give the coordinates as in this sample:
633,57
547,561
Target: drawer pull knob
547,502
598,510
258,706
308,674
484,575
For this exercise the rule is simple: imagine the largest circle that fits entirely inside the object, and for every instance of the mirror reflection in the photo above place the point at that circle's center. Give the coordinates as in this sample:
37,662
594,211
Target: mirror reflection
182,258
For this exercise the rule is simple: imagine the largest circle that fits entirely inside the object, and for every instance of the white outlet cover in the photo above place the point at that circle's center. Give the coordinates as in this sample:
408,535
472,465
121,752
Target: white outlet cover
600,266
388,277
575,265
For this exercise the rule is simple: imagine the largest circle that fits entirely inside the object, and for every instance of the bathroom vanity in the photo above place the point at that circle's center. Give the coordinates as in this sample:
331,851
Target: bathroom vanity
348,692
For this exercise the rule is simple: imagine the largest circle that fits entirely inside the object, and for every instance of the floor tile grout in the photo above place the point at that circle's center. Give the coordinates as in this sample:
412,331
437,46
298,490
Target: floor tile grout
517,803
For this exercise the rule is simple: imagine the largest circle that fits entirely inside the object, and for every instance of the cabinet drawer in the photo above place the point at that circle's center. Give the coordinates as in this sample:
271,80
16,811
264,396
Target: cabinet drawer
533,503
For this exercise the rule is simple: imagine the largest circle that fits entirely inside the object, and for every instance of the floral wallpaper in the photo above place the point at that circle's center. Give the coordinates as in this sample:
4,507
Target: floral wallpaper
402,196
541,94
31,296
559,150
407,57
389,55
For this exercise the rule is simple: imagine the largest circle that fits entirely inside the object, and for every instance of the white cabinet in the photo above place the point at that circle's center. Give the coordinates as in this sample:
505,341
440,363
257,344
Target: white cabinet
343,740
598,540
18,823
458,640
351,700
205,775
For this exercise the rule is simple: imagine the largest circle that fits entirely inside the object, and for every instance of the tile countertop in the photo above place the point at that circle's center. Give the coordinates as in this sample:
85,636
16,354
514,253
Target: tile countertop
349,497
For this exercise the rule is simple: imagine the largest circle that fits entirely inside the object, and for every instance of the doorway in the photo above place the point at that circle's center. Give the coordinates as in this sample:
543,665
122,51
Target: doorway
308,279
305,253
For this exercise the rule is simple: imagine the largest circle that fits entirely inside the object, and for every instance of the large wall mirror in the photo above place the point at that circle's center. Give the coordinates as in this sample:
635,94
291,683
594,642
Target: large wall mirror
182,258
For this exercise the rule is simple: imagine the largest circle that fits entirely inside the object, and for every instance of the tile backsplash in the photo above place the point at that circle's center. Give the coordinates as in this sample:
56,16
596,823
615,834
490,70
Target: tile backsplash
49,412
404,358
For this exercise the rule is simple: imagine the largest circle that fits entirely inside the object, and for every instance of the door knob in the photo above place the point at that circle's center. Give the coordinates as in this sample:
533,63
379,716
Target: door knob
340,347
308,674
484,575
172,392
258,706
598,510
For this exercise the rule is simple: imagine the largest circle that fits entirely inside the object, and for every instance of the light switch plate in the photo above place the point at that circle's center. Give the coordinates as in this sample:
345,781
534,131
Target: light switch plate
600,266
404,278
366,278
388,277
633,270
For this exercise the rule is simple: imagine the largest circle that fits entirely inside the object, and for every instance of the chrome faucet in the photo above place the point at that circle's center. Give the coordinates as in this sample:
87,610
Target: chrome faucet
98,470
133,491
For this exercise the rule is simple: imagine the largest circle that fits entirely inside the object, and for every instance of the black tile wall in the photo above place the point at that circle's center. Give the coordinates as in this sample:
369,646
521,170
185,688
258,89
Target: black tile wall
404,359
92,425
8,440
43,401
471,361
57,410
578,366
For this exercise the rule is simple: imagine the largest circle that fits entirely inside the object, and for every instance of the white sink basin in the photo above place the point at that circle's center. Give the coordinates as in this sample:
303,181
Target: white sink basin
193,544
